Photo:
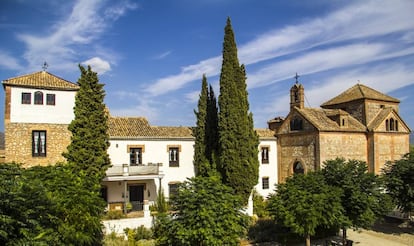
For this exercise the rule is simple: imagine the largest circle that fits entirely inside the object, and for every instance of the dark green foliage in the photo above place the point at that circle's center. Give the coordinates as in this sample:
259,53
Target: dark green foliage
306,202
205,132
362,197
399,179
78,209
26,213
90,140
238,163
201,163
207,213
212,130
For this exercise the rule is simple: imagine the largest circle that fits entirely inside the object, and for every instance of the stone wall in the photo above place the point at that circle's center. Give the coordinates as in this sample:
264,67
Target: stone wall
388,147
18,137
373,107
344,145
296,147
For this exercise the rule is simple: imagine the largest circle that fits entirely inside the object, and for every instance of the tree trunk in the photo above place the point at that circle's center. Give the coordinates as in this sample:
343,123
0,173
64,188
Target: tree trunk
308,240
343,235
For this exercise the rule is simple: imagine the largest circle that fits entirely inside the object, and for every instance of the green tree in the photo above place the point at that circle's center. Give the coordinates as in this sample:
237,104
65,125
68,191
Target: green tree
362,197
399,179
212,130
87,151
306,202
201,163
88,161
238,163
206,214
27,214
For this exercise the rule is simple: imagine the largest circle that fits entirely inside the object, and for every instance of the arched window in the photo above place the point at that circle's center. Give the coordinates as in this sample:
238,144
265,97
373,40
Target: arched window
38,98
396,125
298,168
392,125
387,125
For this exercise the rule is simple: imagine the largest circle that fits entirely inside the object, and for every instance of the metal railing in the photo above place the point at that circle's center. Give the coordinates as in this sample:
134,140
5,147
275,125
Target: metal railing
127,170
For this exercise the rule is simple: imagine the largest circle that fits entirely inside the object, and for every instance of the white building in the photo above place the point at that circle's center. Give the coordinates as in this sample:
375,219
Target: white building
143,157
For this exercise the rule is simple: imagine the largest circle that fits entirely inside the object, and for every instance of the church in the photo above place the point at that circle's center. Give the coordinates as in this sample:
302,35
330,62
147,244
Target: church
360,123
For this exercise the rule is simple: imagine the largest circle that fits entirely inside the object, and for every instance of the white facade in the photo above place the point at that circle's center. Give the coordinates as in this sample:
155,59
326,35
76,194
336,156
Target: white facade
267,170
60,113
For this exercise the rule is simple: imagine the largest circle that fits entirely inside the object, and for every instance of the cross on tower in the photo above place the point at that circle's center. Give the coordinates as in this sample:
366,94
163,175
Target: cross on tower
296,77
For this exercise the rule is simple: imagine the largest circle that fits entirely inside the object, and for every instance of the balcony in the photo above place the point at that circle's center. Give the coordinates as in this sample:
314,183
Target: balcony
139,172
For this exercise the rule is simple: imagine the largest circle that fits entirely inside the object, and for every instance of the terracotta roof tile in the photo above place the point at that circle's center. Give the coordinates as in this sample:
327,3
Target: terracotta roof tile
380,117
41,80
320,119
138,127
265,133
359,91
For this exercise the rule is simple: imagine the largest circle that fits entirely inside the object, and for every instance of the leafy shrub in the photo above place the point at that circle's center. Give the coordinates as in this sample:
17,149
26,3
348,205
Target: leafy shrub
114,215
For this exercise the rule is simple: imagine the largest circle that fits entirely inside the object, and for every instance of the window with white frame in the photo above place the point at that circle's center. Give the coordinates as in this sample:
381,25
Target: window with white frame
174,156
265,154
38,143
135,156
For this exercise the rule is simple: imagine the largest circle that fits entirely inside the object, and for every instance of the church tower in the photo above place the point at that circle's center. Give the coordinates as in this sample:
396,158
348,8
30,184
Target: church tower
297,95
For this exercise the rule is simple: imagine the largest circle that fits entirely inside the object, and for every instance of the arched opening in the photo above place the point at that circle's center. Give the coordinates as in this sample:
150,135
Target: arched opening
392,125
387,125
298,168
38,98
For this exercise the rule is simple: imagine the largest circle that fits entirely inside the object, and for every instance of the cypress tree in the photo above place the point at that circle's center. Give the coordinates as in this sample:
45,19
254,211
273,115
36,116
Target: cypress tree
205,132
201,163
238,163
212,130
87,151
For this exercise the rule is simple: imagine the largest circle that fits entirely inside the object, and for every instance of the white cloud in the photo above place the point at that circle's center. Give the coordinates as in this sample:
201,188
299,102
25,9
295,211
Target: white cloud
61,47
98,65
351,24
162,55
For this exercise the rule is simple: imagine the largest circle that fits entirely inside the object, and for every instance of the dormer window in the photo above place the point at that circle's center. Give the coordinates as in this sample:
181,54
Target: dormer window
38,98
296,124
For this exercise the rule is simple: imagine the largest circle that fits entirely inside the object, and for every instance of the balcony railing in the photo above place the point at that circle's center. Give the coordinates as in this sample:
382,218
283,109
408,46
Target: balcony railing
127,170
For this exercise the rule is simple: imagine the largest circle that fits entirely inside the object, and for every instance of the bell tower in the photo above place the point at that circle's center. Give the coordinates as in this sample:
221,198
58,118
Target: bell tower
297,95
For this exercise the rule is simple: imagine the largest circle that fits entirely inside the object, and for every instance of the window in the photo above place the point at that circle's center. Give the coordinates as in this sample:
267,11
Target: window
38,98
172,189
391,125
298,168
296,124
50,99
265,183
26,98
38,143
174,156
135,156
265,155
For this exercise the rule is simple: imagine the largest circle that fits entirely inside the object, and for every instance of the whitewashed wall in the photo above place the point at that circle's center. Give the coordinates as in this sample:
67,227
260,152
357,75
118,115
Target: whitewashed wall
60,113
267,170
156,151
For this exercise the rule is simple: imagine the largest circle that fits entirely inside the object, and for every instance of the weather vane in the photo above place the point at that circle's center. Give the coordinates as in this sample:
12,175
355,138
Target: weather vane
296,77
45,65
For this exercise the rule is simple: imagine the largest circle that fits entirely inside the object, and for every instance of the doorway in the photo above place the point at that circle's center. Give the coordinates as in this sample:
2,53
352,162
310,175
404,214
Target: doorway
136,197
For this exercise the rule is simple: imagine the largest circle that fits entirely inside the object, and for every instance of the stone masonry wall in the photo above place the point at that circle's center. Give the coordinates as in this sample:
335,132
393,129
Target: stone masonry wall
344,145
389,147
18,137
292,148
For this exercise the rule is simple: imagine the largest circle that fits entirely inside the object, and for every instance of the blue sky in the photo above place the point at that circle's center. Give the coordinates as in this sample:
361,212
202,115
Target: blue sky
151,54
